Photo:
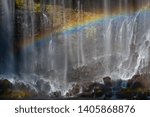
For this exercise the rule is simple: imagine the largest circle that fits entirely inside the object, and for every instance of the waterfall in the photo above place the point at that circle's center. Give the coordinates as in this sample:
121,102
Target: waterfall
6,36
64,41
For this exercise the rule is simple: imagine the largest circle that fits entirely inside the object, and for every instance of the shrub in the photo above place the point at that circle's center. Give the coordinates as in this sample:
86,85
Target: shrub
19,4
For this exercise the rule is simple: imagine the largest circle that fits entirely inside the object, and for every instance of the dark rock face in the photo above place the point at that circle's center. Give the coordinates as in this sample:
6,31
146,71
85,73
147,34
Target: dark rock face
5,86
56,94
11,91
92,90
130,94
26,20
74,91
107,81
97,4
139,81
98,90
20,90
87,87
29,25
137,88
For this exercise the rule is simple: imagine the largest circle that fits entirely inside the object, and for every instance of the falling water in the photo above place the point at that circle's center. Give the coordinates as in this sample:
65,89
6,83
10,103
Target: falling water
113,45
6,36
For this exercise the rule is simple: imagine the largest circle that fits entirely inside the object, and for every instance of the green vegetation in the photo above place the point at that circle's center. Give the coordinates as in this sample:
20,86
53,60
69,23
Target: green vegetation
37,7
24,5
19,4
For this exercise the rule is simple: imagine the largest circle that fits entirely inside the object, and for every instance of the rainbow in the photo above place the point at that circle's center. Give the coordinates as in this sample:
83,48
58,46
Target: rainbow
84,20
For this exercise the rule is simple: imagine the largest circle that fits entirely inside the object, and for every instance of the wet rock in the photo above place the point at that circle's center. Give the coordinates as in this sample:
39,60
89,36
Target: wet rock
139,81
87,87
107,81
74,91
14,91
108,85
124,94
56,94
98,90
5,85
131,94
137,88
23,91
108,93
86,95
21,86
90,90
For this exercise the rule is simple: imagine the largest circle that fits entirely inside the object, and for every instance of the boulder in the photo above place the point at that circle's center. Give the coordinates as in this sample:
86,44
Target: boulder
139,81
56,94
107,81
74,91
5,85
87,87
98,90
